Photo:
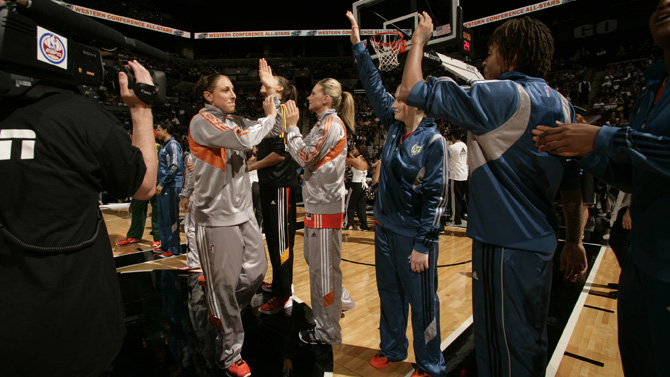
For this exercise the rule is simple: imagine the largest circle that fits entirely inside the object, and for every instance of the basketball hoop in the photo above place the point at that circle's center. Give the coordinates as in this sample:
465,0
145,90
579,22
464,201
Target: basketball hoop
388,45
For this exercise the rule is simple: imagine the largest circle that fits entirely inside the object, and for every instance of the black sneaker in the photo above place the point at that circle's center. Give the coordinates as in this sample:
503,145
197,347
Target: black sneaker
309,337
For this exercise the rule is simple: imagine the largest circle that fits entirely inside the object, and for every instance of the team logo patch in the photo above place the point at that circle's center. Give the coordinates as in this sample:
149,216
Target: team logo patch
308,216
211,249
416,149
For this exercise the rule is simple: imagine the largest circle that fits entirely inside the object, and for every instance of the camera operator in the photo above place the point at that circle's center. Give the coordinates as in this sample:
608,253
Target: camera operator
62,311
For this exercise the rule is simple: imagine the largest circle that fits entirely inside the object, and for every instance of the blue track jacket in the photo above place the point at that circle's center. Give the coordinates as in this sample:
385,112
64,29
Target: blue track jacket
413,179
637,158
511,185
170,165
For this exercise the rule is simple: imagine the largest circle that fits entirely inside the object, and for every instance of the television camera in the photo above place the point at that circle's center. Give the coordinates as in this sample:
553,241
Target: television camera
46,47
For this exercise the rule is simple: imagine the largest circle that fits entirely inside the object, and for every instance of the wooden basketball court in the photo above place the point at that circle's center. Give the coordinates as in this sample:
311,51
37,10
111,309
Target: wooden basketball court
588,343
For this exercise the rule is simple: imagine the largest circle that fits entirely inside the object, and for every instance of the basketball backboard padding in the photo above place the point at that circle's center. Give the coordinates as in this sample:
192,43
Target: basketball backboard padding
458,67
403,14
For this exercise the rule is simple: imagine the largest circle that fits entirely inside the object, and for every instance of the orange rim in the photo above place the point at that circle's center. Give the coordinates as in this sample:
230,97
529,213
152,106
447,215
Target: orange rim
401,40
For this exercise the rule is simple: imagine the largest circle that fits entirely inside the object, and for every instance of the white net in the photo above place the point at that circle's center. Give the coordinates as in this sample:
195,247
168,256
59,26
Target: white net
387,46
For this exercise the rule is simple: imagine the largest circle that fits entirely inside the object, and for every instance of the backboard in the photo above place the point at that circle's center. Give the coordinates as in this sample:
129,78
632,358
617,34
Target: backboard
402,15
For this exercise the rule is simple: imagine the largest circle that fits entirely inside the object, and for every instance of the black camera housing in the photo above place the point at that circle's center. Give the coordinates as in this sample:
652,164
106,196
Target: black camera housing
30,65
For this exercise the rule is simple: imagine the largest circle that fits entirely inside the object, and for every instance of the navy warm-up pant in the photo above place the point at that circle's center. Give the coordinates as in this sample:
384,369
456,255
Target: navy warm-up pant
643,322
168,219
510,300
399,289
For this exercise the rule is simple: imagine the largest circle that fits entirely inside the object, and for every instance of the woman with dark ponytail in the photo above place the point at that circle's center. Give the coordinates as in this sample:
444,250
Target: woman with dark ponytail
231,249
278,179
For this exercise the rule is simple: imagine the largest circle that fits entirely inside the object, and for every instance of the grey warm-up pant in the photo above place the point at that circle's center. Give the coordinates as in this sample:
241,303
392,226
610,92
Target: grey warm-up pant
323,251
234,263
192,257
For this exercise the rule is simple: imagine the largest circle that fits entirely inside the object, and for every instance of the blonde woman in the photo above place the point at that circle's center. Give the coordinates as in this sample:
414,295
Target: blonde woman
322,154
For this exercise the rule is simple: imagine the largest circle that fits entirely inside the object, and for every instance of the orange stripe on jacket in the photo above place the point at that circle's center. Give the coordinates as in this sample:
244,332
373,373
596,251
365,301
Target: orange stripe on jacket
212,156
326,130
336,151
222,126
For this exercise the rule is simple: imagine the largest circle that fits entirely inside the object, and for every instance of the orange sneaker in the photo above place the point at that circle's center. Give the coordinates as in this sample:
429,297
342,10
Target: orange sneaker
380,361
239,369
418,373
156,244
127,241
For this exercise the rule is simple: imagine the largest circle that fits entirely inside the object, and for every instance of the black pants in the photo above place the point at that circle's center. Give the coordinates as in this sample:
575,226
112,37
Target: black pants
619,238
279,217
357,204
459,190
256,200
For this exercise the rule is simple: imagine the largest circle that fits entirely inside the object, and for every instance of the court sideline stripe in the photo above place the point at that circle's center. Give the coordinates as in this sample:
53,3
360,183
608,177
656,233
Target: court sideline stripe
451,338
552,367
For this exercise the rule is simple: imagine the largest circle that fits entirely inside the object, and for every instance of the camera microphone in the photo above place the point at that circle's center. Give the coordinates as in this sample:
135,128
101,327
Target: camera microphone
50,13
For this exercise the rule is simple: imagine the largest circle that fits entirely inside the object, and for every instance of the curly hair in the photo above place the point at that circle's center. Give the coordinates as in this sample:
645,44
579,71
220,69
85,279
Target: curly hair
526,42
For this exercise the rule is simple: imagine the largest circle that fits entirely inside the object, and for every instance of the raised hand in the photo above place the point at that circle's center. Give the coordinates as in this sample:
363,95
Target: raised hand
355,32
292,114
424,31
266,77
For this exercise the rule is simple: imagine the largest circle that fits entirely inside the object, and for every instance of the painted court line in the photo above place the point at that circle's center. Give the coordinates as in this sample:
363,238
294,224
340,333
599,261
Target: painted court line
451,338
552,367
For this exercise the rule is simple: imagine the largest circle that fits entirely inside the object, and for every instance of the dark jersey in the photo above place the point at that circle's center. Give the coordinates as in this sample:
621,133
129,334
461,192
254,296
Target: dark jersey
285,173
62,312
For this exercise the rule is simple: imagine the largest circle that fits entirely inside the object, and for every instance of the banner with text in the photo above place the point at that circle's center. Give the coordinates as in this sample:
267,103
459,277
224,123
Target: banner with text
282,33
516,12
126,20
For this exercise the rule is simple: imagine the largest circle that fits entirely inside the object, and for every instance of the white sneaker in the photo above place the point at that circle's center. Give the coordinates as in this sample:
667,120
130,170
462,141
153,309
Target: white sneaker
347,302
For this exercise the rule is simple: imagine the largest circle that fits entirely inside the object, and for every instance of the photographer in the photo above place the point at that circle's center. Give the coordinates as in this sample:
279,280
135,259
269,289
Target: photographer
62,311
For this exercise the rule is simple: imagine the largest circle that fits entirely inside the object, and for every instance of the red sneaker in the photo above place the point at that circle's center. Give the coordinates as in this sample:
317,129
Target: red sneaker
267,287
127,241
201,280
239,369
274,305
156,244
380,361
165,254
